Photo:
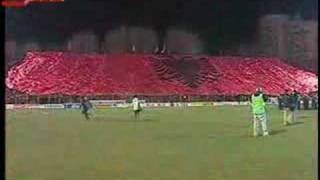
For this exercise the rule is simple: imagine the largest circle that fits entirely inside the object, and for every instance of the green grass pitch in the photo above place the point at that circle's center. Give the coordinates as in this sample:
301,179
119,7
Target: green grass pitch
203,143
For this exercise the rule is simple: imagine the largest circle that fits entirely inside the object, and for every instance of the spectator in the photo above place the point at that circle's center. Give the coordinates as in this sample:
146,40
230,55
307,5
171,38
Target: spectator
299,103
280,103
286,110
294,103
314,102
133,49
238,99
316,98
156,50
164,49
305,100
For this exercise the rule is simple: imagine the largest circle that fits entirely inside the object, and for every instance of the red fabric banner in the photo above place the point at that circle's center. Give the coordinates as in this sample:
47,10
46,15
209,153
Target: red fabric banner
45,73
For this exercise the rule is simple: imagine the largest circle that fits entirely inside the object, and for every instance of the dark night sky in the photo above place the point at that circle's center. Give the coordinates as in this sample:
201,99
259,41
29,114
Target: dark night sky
232,20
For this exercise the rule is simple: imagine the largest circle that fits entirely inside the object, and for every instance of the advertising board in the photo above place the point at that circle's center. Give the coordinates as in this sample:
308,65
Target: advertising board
53,106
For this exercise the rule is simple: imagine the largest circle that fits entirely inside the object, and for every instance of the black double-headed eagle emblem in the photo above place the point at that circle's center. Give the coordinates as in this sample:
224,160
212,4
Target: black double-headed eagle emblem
189,70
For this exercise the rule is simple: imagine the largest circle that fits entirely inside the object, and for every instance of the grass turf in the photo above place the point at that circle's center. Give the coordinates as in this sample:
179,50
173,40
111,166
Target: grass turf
166,144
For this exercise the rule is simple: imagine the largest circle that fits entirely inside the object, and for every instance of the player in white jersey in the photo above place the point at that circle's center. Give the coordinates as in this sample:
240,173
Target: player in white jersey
136,107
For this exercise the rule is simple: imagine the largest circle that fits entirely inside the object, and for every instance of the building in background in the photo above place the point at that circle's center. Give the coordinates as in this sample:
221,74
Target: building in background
84,42
10,53
303,43
182,42
273,35
116,41
292,39
144,40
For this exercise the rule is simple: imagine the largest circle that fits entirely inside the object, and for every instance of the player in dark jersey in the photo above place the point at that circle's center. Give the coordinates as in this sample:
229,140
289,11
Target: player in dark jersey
294,100
86,107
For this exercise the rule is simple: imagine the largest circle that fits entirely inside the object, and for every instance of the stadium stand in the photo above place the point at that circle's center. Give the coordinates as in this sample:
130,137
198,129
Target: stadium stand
71,74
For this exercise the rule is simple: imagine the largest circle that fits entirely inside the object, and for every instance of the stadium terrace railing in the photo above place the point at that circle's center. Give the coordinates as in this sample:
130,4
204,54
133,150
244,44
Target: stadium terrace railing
13,97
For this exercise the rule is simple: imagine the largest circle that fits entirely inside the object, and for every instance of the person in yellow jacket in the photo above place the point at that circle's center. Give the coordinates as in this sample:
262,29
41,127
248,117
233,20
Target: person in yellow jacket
258,107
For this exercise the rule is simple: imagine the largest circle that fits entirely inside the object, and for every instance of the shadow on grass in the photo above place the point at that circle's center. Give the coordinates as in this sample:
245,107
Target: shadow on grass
149,120
129,120
276,132
296,123
271,133
172,136
304,117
